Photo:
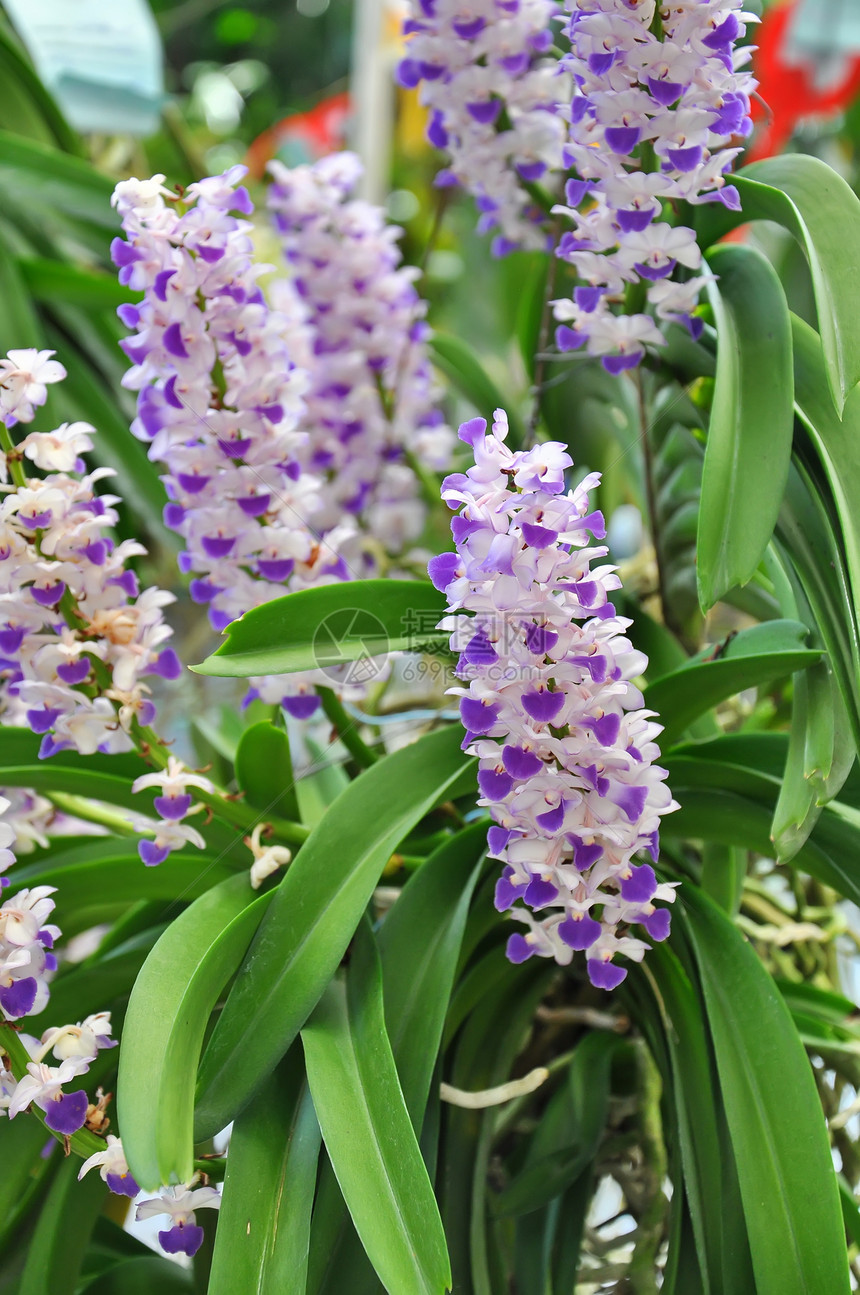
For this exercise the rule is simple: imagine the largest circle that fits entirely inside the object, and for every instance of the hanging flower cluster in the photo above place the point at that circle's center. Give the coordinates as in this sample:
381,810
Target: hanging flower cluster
219,397
26,941
371,397
77,637
657,102
493,100
566,752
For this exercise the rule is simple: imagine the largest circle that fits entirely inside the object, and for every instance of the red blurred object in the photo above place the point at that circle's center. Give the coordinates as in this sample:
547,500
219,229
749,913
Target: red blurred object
303,137
789,89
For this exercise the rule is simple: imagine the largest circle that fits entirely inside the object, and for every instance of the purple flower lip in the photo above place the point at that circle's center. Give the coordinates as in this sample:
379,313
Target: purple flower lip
618,363
173,343
605,975
658,924
568,339
11,638
685,159
579,931
74,672
191,483
538,537
494,784
521,763
540,893
217,546
122,1185
469,28
600,64
68,1113
622,139
605,729
647,270
640,886
43,720
518,949
506,894
632,220
36,521
183,1238
235,449
152,854
254,505
275,569
477,717
543,706
302,706
408,73
485,111
96,552
539,639
17,998
172,807
665,92
552,820
588,299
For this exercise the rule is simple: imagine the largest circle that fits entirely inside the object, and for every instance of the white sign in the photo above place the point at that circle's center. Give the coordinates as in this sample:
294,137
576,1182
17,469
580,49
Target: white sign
101,59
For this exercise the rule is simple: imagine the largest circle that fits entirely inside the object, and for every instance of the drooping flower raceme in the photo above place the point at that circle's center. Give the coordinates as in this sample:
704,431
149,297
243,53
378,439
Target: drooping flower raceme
566,751
360,337
658,101
77,637
493,98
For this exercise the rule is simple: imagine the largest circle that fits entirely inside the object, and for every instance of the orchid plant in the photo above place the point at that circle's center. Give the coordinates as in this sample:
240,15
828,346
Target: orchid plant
500,937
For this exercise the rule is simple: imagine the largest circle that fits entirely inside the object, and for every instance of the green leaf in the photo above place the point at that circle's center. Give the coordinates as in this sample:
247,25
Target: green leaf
101,777
835,440
141,1276
748,659
583,1104
330,624
316,910
368,1133
419,943
51,281
815,563
264,770
261,1245
822,212
109,872
42,176
34,111
750,430
787,1180
170,1006
456,359
24,1171
62,1233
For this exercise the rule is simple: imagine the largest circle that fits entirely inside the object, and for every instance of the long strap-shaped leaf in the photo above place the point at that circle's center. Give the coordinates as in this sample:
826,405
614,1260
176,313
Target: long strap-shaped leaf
821,210
315,912
261,1246
750,428
169,1009
62,1233
368,1133
787,1180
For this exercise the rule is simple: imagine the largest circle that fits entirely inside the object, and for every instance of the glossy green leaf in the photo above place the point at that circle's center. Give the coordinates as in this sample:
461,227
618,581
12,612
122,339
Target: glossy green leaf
63,1230
261,1245
750,429
456,359
815,563
264,770
109,872
835,440
419,943
170,1006
787,1180
19,325
819,208
748,659
330,624
102,777
316,910
51,281
368,1133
